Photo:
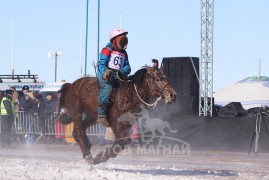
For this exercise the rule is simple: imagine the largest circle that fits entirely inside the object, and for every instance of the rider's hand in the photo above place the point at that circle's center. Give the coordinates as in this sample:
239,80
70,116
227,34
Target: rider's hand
107,75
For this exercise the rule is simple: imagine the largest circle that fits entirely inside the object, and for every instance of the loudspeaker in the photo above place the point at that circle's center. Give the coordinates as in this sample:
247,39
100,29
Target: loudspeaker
181,74
232,109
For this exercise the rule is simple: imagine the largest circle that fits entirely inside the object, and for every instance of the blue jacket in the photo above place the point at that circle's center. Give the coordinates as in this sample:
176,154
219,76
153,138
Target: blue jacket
105,58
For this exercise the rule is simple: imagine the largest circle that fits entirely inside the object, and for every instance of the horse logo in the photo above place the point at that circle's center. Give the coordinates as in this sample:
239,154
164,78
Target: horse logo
146,129
146,125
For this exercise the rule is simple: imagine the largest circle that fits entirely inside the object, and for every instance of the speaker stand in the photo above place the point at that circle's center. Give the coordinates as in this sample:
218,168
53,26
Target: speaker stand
257,128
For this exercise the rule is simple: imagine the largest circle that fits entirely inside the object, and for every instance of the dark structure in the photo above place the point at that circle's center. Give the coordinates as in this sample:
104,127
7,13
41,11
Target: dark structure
231,127
183,74
232,109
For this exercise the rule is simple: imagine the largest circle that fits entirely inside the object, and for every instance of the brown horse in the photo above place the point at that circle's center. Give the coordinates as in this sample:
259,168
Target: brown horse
80,100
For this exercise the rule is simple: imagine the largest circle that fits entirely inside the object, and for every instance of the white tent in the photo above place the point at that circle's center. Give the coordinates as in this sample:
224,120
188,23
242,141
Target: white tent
250,92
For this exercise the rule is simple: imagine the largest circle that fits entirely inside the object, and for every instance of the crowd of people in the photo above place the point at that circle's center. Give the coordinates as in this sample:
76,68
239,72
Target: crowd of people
31,103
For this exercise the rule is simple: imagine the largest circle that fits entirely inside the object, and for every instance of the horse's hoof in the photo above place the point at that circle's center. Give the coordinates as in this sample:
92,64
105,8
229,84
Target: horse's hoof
89,159
99,158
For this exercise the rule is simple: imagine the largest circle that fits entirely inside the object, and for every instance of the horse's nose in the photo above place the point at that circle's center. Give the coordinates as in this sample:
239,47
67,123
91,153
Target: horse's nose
173,96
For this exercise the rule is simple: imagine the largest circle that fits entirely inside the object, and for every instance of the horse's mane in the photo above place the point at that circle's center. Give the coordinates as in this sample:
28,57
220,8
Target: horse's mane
138,77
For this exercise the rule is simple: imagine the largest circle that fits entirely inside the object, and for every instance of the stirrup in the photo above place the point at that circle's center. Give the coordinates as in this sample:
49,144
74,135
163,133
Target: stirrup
103,121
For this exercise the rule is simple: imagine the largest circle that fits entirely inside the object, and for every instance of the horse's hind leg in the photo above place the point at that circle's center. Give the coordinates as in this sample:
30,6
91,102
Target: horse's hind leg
82,139
87,122
85,138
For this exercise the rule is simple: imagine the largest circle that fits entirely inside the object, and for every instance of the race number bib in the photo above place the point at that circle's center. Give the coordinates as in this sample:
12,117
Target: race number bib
116,60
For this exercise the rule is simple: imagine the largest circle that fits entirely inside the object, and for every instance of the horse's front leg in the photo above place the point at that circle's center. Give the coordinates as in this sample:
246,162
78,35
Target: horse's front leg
110,152
116,148
80,136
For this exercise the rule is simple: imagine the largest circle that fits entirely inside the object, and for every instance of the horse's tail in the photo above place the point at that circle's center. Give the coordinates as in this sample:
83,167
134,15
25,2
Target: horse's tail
168,126
62,91
63,114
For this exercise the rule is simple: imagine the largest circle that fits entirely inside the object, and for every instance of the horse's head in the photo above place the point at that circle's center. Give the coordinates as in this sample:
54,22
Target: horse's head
158,84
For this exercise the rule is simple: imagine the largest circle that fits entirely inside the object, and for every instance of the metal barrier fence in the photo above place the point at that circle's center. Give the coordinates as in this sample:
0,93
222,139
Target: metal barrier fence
26,123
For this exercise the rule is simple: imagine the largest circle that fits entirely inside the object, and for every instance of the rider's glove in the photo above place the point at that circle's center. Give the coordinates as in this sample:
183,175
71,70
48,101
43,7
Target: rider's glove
107,75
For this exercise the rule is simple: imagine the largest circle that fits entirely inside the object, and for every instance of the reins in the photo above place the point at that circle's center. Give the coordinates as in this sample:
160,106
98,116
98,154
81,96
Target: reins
153,104
123,80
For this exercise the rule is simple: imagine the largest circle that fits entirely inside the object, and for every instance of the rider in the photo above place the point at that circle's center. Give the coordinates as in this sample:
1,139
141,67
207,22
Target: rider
113,62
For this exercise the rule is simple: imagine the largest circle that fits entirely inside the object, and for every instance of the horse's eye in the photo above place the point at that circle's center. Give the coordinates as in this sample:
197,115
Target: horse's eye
157,79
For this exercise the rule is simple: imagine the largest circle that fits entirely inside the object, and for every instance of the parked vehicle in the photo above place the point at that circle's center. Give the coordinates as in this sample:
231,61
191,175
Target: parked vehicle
18,81
51,88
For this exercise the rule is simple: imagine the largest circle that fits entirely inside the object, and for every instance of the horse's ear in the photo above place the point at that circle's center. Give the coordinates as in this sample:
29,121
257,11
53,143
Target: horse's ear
162,67
148,69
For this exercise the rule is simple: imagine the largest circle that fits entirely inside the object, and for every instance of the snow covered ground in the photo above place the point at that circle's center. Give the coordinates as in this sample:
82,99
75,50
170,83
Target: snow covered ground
65,162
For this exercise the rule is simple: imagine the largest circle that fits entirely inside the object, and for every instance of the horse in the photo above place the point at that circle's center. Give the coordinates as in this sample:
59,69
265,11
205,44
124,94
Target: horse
79,103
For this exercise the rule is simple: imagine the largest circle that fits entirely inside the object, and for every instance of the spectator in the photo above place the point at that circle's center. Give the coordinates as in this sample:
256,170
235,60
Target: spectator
37,114
25,102
50,108
15,97
15,100
25,89
38,109
59,127
7,118
50,104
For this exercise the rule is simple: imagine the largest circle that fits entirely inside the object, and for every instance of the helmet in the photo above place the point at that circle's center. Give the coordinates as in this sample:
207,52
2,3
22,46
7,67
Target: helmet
117,32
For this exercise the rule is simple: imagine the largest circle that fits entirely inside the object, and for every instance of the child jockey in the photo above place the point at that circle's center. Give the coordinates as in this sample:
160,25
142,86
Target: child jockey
113,62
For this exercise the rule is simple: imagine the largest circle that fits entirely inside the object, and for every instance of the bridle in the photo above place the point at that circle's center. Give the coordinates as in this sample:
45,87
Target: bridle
157,100
153,104
163,88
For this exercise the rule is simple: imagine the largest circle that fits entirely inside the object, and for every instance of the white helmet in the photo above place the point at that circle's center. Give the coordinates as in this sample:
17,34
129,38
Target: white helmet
117,32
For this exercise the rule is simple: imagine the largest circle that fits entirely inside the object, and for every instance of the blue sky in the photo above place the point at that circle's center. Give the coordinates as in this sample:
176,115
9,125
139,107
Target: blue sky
157,29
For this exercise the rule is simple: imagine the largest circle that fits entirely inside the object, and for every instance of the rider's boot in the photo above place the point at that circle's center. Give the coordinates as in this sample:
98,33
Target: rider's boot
102,111
103,121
